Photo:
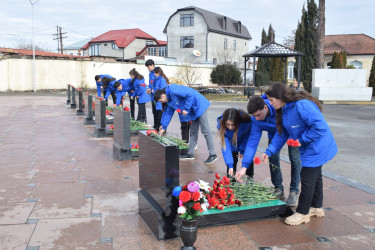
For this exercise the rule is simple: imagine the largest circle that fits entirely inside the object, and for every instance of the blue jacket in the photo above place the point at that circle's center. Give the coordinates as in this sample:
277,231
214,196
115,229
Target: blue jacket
110,88
159,83
151,83
303,120
184,98
140,90
242,137
126,87
98,84
257,127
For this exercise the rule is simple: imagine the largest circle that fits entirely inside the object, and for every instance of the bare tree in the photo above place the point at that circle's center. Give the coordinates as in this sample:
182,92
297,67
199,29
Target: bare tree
188,74
26,44
321,34
289,40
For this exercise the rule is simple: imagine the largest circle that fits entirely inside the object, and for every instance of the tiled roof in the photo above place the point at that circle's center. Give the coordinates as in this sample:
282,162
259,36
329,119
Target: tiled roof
161,42
273,49
215,23
27,52
353,44
122,38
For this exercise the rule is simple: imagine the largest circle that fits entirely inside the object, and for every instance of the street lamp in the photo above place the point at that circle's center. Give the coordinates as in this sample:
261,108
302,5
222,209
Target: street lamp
32,10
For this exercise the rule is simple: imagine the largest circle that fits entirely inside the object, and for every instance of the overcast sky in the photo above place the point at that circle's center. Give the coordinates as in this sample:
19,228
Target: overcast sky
82,19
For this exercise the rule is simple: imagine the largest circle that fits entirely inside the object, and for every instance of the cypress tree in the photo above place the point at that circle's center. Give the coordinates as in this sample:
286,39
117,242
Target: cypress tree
263,66
372,77
344,61
335,60
276,69
306,42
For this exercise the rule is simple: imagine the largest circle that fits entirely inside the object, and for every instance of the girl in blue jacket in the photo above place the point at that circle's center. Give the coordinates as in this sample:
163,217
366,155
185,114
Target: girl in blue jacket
109,89
140,92
98,81
299,116
234,127
161,81
188,102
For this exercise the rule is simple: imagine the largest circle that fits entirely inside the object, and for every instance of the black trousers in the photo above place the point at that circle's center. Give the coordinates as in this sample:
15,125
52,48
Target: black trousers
132,107
157,117
185,131
249,171
311,189
142,112
113,94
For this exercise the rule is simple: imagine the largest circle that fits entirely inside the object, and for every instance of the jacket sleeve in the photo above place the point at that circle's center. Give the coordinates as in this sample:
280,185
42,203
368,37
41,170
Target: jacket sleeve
167,116
277,143
227,153
244,138
98,89
119,95
251,145
141,89
187,94
107,93
313,118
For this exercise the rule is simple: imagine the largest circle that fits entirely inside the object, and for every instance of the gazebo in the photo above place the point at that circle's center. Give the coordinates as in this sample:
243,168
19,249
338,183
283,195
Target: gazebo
273,49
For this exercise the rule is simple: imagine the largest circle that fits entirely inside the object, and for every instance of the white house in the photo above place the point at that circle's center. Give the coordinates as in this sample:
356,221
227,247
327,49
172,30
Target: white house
75,48
200,36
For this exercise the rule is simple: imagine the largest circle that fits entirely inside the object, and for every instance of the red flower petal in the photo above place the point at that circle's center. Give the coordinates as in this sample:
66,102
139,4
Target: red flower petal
257,161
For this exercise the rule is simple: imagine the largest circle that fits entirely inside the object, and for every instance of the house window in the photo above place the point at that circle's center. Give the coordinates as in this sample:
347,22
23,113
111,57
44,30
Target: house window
94,50
234,45
225,44
162,51
356,64
149,43
151,51
290,70
187,20
114,46
186,42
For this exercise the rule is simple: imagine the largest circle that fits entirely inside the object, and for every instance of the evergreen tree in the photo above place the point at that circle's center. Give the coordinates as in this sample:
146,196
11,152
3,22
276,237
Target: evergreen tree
226,74
306,42
335,60
262,74
344,61
372,77
276,63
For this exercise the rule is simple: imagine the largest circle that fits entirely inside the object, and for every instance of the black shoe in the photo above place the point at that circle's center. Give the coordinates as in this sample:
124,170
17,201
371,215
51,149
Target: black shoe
279,193
187,157
211,159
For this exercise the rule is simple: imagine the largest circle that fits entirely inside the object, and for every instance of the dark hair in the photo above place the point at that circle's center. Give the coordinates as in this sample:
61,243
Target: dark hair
97,77
136,74
281,92
237,116
255,103
117,84
158,70
158,93
149,62
106,81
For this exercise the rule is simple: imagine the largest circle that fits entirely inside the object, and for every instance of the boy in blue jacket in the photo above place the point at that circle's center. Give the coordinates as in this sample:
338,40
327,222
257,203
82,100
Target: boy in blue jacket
122,87
264,119
189,102
299,116
161,81
109,89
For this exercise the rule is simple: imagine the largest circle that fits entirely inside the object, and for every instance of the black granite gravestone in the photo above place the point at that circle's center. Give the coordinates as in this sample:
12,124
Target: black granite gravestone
100,119
80,103
73,104
68,100
121,135
158,175
89,120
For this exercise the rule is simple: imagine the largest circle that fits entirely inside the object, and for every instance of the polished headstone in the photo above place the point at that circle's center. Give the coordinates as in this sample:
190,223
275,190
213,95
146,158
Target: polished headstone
121,134
73,104
100,119
80,104
89,120
68,100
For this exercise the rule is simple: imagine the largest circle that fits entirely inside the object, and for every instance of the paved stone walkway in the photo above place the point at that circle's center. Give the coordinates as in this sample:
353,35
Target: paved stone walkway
61,189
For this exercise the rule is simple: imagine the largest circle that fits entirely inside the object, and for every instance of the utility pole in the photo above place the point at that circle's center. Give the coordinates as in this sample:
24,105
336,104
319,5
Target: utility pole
59,37
34,74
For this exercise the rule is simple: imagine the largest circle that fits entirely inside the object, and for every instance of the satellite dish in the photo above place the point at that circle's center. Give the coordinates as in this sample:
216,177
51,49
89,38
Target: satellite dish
196,53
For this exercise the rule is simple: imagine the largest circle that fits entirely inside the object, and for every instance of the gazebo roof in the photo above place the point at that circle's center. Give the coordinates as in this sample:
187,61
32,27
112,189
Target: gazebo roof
273,49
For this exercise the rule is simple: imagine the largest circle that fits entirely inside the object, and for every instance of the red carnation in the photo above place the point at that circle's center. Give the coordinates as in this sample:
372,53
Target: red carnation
151,81
295,143
184,196
100,98
223,194
217,176
178,111
126,108
196,196
137,147
257,160
197,206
